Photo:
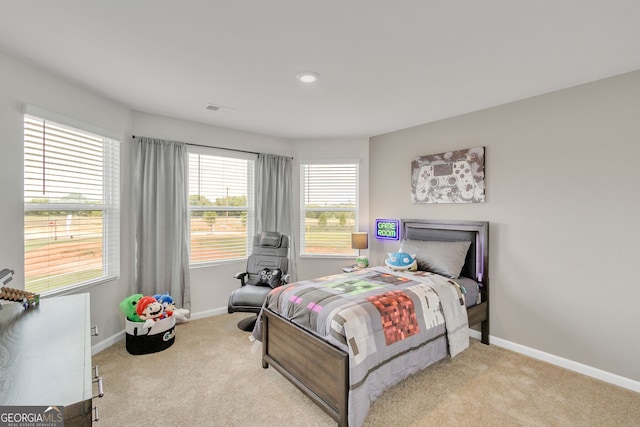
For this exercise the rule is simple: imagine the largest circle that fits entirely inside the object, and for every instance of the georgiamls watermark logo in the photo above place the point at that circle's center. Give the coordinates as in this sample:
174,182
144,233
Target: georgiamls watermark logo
31,416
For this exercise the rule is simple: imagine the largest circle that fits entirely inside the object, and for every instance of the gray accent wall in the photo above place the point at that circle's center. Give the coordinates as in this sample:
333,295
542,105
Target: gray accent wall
563,199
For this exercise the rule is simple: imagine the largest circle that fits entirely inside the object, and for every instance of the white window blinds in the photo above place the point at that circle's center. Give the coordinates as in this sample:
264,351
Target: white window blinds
329,208
72,206
221,206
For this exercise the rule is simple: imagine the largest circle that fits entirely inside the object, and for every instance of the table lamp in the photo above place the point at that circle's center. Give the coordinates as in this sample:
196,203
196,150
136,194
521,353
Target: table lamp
360,240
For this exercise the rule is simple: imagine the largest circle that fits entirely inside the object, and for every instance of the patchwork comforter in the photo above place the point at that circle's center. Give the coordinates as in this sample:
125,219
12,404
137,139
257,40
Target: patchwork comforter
392,324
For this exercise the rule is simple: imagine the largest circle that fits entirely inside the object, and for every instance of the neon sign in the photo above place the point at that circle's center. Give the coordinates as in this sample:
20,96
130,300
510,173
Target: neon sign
388,229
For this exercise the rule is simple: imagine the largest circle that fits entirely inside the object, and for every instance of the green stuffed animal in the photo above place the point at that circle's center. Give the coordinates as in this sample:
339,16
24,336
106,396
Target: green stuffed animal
128,307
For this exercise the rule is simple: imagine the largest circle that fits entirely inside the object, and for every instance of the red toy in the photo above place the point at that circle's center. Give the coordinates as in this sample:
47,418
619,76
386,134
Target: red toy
149,310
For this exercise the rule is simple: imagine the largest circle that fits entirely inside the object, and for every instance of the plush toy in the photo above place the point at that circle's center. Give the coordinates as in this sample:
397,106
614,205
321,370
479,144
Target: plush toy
149,310
170,308
401,261
181,315
128,307
167,303
362,262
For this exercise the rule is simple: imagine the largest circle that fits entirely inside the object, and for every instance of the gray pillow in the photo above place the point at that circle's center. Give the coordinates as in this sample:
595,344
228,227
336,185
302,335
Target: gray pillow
445,258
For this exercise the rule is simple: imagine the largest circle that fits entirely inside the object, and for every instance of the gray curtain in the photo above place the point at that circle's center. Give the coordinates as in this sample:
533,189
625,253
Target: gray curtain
274,200
161,219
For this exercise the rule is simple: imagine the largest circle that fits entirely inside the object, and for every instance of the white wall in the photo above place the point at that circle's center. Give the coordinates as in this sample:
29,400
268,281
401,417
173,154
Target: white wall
356,149
562,197
210,286
22,84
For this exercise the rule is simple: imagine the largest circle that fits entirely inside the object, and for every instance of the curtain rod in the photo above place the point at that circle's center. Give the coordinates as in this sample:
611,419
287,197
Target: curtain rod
222,148
219,148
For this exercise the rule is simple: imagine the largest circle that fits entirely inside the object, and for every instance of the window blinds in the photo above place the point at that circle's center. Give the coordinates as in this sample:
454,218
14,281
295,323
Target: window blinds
221,206
329,208
71,201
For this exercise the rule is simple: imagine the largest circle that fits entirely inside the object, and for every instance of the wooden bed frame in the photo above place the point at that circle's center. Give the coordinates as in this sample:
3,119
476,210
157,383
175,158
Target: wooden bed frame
320,370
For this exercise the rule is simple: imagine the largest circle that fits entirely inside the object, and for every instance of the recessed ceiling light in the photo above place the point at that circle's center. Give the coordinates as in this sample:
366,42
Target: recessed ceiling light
307,76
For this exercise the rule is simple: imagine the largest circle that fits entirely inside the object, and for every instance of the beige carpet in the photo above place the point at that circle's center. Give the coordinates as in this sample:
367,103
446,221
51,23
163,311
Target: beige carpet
210,377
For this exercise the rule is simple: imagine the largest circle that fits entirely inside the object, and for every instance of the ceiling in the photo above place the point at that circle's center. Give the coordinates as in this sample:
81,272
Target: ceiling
383,65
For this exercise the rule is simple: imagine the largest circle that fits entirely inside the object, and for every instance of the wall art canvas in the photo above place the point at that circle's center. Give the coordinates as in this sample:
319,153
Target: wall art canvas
451,177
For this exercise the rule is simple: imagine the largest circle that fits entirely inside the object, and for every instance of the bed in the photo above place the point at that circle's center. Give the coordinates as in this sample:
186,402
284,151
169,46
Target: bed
342,359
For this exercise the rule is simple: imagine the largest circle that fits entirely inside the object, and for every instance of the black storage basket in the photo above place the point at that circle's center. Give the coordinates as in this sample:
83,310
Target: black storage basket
141,340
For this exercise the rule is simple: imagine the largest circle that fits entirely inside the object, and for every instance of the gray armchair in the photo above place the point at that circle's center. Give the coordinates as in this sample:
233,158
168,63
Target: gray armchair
267,268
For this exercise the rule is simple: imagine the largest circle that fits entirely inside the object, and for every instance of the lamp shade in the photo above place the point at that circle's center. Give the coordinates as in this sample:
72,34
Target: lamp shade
359,240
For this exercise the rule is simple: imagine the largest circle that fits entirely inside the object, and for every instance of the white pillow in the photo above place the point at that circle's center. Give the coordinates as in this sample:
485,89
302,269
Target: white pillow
445,258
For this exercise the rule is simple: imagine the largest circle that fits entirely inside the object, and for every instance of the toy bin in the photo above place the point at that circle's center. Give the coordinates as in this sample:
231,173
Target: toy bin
141,340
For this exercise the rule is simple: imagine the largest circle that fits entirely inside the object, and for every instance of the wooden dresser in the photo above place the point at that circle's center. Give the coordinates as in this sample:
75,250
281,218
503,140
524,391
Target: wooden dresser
45,356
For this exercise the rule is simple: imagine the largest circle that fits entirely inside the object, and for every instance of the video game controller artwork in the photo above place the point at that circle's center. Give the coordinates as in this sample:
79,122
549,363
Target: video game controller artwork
451,177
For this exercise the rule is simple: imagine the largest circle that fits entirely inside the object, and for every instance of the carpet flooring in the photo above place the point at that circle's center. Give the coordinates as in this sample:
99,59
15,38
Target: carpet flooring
211,377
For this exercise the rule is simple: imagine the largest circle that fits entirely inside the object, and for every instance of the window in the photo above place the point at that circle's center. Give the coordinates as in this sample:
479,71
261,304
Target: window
220,205
328,208
71,206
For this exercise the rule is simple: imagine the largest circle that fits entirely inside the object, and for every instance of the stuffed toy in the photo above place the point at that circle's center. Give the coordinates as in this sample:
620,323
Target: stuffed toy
167,303
401,261
181,315
149,310
170,308
128,307
362,262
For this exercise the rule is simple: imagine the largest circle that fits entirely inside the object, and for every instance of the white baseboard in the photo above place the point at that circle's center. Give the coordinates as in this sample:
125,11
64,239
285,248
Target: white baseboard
104,344
571,365
208,313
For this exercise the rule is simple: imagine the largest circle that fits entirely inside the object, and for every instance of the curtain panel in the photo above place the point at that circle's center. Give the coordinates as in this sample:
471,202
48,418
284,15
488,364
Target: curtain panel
274,200
161,219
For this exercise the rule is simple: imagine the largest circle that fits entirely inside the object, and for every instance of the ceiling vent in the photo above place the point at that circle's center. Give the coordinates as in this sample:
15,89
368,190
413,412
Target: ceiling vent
219,108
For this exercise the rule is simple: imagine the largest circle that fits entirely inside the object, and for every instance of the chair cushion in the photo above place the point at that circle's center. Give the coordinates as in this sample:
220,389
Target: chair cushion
248,298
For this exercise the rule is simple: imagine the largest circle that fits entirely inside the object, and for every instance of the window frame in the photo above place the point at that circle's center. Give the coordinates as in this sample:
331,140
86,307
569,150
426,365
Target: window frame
303,210
250,208
110,206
